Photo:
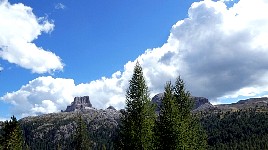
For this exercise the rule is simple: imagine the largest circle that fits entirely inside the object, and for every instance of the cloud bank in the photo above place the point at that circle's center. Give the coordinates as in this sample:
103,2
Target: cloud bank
218,51
19,27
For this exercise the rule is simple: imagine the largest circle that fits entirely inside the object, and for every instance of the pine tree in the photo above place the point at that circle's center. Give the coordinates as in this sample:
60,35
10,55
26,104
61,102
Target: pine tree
177,128
192,135
12,135
167,125
139,117
81,138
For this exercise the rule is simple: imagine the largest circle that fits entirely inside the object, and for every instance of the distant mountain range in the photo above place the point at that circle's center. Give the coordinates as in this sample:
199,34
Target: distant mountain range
56,128
244,104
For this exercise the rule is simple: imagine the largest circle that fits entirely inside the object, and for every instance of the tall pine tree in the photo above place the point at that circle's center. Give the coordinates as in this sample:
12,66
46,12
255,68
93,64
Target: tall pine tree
81,137
139,117
11,135
167,129
192,135
176,127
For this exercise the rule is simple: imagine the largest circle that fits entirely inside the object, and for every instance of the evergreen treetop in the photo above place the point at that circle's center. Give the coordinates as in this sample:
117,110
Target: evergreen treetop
177,128
11,135
138,120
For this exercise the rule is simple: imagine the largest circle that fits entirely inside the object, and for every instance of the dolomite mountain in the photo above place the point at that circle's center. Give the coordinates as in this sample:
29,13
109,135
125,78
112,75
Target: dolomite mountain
79,103
57,129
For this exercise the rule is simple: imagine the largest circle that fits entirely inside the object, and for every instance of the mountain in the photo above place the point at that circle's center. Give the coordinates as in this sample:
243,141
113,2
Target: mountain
58,129
79,103
251,103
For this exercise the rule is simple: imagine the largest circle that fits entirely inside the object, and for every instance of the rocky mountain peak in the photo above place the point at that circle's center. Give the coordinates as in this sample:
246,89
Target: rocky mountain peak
201,103
157,99
79,103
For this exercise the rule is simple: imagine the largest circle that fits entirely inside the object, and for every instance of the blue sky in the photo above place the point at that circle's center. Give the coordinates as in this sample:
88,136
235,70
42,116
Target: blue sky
51,51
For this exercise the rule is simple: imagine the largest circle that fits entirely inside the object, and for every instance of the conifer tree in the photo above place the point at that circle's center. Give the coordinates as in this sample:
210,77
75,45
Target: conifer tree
81,138
192,135
177,128
167,126
12,135
139,117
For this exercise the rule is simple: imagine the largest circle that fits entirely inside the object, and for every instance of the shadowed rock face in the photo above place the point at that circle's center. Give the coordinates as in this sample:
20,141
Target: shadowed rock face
79,103
201,103
157,99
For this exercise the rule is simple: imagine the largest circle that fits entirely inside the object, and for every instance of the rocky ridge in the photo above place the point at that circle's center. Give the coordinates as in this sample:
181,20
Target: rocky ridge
56,128
261,102
59,128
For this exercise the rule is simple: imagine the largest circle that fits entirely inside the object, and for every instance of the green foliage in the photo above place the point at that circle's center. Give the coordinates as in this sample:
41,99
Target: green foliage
177,128
243,129
81,138
138,120
11,135
167,131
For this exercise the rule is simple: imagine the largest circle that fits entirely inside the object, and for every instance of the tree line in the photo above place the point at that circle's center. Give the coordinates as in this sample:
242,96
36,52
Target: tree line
242,129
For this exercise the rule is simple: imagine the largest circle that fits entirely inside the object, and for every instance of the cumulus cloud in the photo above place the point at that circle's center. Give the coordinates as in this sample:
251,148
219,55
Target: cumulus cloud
18,29
224,47
220,52
48,94
41,95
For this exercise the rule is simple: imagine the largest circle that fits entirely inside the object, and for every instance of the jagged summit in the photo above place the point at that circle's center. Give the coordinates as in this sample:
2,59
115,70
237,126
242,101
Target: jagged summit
79,103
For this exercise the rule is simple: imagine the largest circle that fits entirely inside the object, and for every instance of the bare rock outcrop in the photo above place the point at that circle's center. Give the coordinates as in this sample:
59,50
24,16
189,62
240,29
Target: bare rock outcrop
79,103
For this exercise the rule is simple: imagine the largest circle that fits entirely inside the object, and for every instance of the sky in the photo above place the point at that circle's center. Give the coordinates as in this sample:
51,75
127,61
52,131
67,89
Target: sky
52,51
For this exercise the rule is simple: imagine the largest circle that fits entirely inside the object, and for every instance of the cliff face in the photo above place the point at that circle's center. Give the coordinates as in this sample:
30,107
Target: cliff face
201,103
79,103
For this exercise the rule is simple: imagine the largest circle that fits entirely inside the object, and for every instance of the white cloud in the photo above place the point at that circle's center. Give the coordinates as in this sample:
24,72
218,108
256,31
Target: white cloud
224,48
48,94
60,6
218,51
18,29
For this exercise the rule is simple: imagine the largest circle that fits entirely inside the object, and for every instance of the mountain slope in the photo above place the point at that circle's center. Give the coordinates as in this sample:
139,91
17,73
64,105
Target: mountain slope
56,130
